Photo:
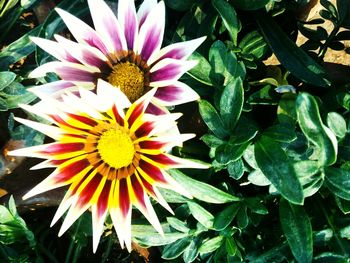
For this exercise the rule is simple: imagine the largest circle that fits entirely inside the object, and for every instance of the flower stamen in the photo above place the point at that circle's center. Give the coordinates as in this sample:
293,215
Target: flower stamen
130,78
116,148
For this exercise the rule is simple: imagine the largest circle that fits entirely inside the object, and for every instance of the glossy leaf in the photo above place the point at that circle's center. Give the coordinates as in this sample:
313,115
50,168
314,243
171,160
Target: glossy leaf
274,164
211,245
201,214
337,124
229,17
212,119
225,217
231,103
290,55
313,128
6,78
202,191
338,181
297,229
175,249
201,71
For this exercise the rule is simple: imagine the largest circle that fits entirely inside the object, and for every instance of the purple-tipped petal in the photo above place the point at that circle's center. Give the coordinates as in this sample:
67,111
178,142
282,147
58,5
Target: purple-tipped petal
151,32
107,25
155,109
81,31
169,70
128,22
181,50
87,55
176,94
51,89
54,49
144,9
74,72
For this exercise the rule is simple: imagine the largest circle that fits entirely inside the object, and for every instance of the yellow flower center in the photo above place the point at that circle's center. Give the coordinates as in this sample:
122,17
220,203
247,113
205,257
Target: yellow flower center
116,148
130,78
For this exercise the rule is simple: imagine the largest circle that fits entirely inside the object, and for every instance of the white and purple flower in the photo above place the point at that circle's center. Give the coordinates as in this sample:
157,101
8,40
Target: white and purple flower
124,51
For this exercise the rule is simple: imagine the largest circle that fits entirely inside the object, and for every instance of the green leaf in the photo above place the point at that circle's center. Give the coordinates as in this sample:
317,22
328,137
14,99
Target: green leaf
274,164
6,78
249,5
229,17
231,246
146,236
344,205
175,249
212,119
231,103
191,252
338,181
242,217
257,177
254,44
330,257
201,71
230,152
201,215
211,245
256,205
297,229
16,94
177,224
236,169
315,131
225,217
18,49
3,105
211,140
280,133
290,55
337,124
217,59
202,191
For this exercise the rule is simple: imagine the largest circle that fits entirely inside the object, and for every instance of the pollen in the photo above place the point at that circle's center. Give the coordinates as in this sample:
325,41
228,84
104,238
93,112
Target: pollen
116,148
130,78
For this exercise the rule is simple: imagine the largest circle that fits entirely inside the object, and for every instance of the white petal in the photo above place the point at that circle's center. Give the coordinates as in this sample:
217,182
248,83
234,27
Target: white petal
107,25
151,33
49,130
144,10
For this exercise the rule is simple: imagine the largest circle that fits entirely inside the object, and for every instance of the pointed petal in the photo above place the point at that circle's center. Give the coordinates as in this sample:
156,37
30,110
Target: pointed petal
52,88
168,70
53,48
89,56
107,25
138,108
128,22
88,191
151,33
181,50
175,94
99,213
67,71
121,213
49,130
144,10
110,95
81,31
140,199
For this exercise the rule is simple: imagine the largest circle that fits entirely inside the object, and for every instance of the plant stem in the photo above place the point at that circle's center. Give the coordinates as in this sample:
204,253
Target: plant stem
72,242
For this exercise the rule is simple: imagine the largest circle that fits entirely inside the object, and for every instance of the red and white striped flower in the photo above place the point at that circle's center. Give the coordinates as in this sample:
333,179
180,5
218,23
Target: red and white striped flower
124,51
112,158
